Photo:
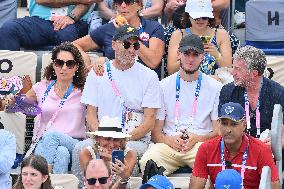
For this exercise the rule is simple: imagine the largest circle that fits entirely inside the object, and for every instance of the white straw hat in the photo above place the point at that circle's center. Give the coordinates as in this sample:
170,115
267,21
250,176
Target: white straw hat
110,127
199,8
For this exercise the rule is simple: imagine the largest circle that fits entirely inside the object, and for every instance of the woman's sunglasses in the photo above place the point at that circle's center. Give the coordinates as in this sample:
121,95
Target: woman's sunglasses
69,63
127,2
102,180
127,45
202,18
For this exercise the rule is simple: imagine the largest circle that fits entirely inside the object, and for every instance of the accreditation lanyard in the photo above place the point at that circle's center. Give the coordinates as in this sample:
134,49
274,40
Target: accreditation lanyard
257,119
61,104
194,105
116,92
244,159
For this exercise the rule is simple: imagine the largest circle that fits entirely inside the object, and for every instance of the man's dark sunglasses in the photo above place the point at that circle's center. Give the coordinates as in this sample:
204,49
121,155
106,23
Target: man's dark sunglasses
127,2
69,63
202,18
102,180
127,45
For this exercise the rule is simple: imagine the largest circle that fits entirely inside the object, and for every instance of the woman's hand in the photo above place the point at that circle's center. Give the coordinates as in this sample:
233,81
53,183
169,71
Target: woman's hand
120,169
104,153
212,50
119,21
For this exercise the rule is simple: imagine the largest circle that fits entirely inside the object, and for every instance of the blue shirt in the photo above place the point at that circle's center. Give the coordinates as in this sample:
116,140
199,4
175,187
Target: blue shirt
44,12
7,157
271,93
102,36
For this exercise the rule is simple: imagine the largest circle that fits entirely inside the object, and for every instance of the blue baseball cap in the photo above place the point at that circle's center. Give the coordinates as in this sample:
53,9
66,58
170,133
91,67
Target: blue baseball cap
228,178
158,182
232,111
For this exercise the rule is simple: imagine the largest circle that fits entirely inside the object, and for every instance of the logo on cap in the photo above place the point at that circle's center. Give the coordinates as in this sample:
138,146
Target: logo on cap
129,29
229,110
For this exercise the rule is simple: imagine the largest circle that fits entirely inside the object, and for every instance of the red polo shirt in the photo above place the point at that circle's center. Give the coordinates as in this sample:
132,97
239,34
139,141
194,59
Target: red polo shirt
208,161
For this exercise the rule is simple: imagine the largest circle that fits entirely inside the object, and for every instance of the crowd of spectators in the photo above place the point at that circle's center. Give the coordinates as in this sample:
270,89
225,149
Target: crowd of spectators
117,103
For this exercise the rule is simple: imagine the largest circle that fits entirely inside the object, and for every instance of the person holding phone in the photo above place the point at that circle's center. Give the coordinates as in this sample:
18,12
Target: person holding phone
110,146
217,46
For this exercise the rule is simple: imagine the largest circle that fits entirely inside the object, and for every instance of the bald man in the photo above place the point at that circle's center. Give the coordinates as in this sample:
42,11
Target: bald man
97,175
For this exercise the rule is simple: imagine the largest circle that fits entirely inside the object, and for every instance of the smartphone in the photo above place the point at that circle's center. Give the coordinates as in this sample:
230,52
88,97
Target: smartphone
205,39
117,154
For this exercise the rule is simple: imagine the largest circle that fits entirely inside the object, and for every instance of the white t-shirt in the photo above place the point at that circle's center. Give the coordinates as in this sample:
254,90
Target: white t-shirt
138,85
207,106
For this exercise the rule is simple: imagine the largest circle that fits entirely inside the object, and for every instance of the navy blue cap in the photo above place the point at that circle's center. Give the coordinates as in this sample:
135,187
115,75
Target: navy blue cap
158,182
232,111
228,178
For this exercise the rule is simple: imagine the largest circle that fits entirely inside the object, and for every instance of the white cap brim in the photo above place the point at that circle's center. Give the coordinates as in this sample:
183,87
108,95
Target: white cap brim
195,15
111,134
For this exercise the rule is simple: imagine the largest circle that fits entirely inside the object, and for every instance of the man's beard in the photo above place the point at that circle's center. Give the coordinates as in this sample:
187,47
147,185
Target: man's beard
189,71
125,58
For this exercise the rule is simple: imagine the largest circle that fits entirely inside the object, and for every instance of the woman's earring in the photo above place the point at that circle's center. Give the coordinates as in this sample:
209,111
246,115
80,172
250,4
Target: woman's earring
53,73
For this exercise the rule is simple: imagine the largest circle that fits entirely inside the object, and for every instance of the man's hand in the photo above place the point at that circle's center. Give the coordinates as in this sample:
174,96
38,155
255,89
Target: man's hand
175,142
189,143
61,22
267,141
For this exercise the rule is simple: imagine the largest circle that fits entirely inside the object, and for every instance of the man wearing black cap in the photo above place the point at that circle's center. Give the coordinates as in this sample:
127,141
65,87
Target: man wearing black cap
127,89
233,150
189,110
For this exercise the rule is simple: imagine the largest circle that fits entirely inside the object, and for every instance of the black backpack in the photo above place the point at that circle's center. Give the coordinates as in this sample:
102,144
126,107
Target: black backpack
152,169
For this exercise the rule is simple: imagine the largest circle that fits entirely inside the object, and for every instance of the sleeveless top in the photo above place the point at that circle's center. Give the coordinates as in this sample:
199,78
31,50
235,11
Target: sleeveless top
208,64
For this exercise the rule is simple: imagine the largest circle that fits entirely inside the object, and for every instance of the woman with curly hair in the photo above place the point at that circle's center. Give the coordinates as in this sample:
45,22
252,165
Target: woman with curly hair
34,174
61,123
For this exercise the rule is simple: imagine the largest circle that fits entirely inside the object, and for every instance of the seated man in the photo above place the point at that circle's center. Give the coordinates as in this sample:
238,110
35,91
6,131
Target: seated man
188,115
97,175
7,157
234,150
253,91
127,89
51,22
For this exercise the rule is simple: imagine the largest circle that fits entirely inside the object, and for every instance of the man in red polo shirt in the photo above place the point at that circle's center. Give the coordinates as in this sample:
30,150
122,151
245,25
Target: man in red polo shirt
233,150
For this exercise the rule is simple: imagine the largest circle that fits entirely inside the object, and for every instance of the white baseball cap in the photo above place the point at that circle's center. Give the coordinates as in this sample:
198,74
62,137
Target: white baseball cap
199,8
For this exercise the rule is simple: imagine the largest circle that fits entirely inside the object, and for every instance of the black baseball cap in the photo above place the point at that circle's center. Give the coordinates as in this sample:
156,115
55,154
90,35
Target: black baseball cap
191,42
125,32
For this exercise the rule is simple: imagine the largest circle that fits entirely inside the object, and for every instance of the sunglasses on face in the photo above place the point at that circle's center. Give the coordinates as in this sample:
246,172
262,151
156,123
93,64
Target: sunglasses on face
102,180
69,63
127,2
127,45
202,18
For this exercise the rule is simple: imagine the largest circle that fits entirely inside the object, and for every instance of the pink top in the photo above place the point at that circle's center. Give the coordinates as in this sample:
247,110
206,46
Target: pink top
71,118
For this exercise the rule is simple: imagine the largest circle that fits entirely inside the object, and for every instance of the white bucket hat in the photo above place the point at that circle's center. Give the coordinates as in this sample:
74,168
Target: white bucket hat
199,8
110,127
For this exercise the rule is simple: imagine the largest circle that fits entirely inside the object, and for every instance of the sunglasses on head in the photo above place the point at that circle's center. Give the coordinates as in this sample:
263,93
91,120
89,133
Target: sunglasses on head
102,180
127,45
202,18
69,63
127,2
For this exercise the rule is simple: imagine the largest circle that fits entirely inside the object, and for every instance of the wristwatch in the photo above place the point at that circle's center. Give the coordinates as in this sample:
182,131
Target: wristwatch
71,15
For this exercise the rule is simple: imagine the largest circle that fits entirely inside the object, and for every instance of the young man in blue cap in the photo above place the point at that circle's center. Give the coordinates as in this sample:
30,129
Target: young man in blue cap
234,150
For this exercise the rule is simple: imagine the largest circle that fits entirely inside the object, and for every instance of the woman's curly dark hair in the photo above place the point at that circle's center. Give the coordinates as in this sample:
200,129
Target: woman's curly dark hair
79,78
